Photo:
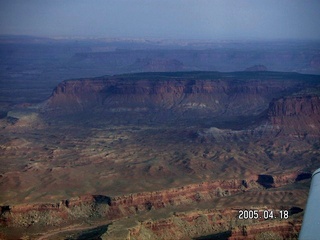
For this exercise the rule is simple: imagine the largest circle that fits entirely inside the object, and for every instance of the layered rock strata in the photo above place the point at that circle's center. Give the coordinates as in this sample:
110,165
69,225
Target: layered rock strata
111,208
297,115
231,94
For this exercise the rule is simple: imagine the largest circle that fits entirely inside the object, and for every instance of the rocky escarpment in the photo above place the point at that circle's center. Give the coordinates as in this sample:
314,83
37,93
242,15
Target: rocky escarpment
217,220
284,229
297,115
111,208
117,207
210,93
212,224
186,225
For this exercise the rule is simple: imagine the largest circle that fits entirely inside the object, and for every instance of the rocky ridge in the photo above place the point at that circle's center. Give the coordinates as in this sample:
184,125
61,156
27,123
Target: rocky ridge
122,206
264,96
299,115
243,93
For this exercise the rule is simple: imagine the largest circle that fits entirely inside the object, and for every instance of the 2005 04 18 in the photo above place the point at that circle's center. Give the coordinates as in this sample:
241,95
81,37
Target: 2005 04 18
263,214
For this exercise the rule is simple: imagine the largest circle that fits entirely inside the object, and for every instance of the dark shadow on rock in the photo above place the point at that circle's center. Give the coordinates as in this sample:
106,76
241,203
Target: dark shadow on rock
266,181
4,209
91,234
12,120
303,176
217,236
295,210
101,199
148,205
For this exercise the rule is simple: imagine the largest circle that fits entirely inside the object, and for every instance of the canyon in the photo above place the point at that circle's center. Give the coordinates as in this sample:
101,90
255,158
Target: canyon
164,155
156,139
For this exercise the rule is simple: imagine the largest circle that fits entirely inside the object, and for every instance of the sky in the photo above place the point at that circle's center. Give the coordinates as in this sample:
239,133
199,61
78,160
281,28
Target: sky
165,19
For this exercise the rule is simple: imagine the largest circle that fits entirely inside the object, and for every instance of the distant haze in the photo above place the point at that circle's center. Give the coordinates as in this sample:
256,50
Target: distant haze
168,19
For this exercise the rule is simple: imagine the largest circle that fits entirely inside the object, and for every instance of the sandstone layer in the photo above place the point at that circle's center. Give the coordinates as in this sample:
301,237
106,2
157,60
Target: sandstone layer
232,94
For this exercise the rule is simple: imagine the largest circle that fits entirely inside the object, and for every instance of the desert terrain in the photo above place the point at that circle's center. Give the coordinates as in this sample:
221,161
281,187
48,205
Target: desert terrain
156,140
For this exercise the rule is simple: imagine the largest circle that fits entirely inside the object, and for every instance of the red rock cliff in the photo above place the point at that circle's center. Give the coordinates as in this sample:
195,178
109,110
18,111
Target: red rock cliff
215,93
298,115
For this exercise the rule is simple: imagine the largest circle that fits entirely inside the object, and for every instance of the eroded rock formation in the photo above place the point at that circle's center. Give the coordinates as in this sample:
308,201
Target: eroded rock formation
111,208
297,115
233,94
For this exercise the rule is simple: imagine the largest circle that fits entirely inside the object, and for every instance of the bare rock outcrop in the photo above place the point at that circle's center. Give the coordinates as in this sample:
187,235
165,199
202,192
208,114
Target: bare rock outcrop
296,115
284,229
114,207
209,93
97,206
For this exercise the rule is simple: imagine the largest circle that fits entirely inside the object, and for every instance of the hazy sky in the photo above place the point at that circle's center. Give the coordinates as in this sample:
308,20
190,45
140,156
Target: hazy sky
170,19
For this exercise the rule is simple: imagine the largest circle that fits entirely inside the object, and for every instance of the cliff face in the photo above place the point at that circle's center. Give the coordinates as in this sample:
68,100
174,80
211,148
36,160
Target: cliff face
231,94
76,95
215,224
195,224
213,220
284,229
298,115
112,208
295,106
